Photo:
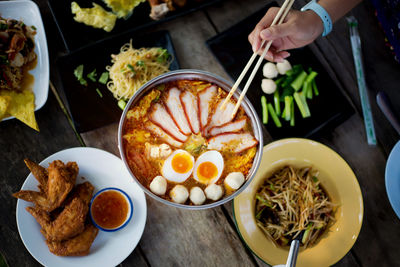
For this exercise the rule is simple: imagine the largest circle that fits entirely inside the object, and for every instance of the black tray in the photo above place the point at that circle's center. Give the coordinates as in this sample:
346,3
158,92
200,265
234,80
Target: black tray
90,111
329,109
76,35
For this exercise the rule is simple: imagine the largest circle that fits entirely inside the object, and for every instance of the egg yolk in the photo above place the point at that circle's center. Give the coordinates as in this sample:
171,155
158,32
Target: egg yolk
207,171
181,163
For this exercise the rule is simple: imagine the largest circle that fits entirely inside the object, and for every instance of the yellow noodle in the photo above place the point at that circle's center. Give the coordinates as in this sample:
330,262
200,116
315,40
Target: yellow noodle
127,75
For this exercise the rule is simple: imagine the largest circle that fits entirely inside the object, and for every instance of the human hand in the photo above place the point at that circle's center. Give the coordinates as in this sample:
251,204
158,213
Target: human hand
297,30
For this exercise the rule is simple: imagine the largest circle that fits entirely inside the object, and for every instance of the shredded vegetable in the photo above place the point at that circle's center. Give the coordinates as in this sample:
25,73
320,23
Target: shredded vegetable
292,201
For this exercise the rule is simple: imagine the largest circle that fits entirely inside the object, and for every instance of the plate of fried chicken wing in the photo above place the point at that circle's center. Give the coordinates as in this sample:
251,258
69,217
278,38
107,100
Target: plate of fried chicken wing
53,206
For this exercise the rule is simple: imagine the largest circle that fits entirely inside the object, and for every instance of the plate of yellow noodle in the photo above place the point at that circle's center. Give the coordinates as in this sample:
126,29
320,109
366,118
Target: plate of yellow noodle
304,190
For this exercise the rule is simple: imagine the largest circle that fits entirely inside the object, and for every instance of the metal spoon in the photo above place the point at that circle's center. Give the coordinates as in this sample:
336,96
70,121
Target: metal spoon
292,257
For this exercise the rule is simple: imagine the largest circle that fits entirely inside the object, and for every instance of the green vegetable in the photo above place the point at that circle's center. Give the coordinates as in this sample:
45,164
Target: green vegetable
298,82
311,76
92,76
264,109
98,92
78,72
292,113
307,233
296,69
288,104
33,27
280,80
314,86
258,216
287,91
163,56
302,105
140,63
272,187
315,179
274,116
264,201
121,104
103,77
131,68
277,103
3,262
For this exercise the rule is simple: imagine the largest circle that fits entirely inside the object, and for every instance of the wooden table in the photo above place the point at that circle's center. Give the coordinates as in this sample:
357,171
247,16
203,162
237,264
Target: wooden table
175,237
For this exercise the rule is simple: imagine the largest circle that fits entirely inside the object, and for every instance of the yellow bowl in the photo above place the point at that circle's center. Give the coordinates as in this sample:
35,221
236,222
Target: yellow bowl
338,180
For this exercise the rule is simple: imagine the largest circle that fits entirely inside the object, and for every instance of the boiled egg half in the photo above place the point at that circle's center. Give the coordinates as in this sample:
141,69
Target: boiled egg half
178,166
208,167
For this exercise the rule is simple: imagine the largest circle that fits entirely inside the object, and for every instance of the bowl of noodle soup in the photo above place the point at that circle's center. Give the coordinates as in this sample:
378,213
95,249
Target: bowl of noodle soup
141,134
335,178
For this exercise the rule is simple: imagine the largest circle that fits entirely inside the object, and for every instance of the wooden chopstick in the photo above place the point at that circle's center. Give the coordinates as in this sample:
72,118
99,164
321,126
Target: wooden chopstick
283,11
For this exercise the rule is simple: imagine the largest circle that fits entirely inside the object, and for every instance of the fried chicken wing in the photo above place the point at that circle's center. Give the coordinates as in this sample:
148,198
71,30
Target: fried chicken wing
71,221
39,173
77,246
61,180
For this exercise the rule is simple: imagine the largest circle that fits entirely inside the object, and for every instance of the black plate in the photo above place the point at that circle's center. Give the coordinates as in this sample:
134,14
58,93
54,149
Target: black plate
76,35
328,110
90,111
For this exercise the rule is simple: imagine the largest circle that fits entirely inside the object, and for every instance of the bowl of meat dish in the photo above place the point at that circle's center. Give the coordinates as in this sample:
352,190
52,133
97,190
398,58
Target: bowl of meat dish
182,148
303,190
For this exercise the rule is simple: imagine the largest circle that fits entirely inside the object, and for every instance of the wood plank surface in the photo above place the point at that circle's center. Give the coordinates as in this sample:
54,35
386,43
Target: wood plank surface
18,141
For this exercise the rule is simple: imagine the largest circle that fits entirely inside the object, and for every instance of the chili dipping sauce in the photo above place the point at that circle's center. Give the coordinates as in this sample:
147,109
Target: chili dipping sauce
110,209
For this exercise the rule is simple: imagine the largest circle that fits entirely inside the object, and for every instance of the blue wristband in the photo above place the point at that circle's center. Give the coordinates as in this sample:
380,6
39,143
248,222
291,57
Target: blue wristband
321,12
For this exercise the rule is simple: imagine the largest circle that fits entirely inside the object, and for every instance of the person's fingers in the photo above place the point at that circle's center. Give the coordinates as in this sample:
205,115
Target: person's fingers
254,37
277,31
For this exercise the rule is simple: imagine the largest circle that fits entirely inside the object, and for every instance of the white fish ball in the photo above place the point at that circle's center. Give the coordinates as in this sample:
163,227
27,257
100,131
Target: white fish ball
283,67
268,86
159,185
214,192
179,194
197,195
234,180
270,71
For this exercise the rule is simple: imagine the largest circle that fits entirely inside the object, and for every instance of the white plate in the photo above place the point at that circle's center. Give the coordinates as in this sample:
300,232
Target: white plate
29,13
102,169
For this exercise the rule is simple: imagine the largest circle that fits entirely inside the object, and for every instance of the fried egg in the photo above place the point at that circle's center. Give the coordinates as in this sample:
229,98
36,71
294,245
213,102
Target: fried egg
178,166
208,167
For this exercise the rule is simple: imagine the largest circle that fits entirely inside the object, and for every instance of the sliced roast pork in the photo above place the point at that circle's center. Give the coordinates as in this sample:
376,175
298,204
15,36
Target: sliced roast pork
163,135
175,109
189,103
159,116
230,127
235,142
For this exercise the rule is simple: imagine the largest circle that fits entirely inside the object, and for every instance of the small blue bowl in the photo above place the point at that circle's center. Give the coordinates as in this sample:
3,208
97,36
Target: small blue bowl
128,217
392,178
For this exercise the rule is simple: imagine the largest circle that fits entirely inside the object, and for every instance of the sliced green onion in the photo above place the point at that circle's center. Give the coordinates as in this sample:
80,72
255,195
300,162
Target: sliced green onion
274,116
140,63
314,86
161,87
33,27
262,200
292,113
103,77
288,104
131,68
92,76
98,92
264,109
302,104
122,104
311,76
78,72
277,103
298,82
